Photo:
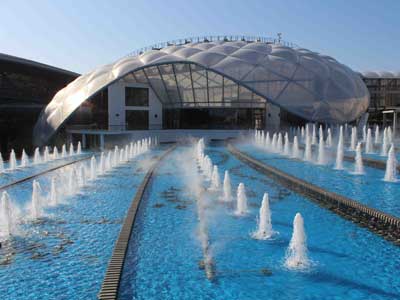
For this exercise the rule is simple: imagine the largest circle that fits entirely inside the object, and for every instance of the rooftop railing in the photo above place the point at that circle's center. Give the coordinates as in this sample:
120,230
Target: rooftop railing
214,38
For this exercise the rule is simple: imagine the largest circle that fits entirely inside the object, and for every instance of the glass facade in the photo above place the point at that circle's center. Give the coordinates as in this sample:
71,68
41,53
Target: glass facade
184,85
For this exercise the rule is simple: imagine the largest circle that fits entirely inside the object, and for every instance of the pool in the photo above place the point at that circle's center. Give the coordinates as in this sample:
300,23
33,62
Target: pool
165,251
64,254
369,188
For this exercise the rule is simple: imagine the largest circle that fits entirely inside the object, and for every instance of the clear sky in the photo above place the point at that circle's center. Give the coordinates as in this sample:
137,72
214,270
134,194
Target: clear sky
81,35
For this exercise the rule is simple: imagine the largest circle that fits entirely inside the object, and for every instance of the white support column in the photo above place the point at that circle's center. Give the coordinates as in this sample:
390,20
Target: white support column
84,141
69,138
102,142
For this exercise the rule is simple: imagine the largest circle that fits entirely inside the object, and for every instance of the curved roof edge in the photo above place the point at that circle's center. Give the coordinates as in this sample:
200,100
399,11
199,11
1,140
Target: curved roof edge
39,138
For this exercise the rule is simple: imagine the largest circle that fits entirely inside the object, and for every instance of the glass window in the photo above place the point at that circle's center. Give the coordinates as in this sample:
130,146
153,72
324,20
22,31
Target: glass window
230,90
137,119
140,77
200,84
215,87
168,75
136,96
245,95
184,82
156,83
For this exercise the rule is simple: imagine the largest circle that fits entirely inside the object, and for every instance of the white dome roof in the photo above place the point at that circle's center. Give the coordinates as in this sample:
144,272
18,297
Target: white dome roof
381,74
313,86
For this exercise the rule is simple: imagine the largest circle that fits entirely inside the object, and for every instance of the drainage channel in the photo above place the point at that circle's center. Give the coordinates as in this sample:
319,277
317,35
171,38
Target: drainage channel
44,172
112,278
381,223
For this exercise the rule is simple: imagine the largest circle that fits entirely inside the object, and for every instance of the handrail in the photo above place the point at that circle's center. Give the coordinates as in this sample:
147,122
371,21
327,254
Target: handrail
213,38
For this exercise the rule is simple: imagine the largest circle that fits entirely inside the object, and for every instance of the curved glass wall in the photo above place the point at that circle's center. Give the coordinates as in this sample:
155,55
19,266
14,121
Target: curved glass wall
185,85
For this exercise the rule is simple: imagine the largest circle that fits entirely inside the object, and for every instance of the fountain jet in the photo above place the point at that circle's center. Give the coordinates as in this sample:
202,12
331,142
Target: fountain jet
279,145
339,151
53,192
389,135
79,148
384,143
364,133
36,200
227,188
55,152
82,175
286,145
102,163
273,143
329,138
308,151
314,135
71,181
353,139
358,167
296,254
1,164
391,166
215,180
63,151
93,168
295,150
13,160
368,142
71,149
6,218
264,230
241,201
24,159
321,149
376,135
46,155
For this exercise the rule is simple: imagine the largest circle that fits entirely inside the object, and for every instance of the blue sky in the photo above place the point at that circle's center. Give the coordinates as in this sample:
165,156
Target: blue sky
81,35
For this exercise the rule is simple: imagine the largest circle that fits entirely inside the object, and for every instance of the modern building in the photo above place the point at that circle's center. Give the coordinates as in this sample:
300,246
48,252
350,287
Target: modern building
26,87
215,83
384,89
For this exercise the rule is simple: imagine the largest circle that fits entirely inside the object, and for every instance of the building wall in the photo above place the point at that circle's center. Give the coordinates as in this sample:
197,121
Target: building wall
384,95
26,87
117,107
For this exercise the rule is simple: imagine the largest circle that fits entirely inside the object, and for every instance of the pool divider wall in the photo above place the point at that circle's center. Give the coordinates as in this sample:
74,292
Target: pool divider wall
44,172
370,162
381,223
112,278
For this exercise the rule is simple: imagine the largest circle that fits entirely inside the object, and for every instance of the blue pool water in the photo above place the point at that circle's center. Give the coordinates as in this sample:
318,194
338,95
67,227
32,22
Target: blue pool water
164,252
369,188
65,256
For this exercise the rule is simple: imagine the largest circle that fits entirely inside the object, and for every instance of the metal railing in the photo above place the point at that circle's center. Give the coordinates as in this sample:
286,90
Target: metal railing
213,38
